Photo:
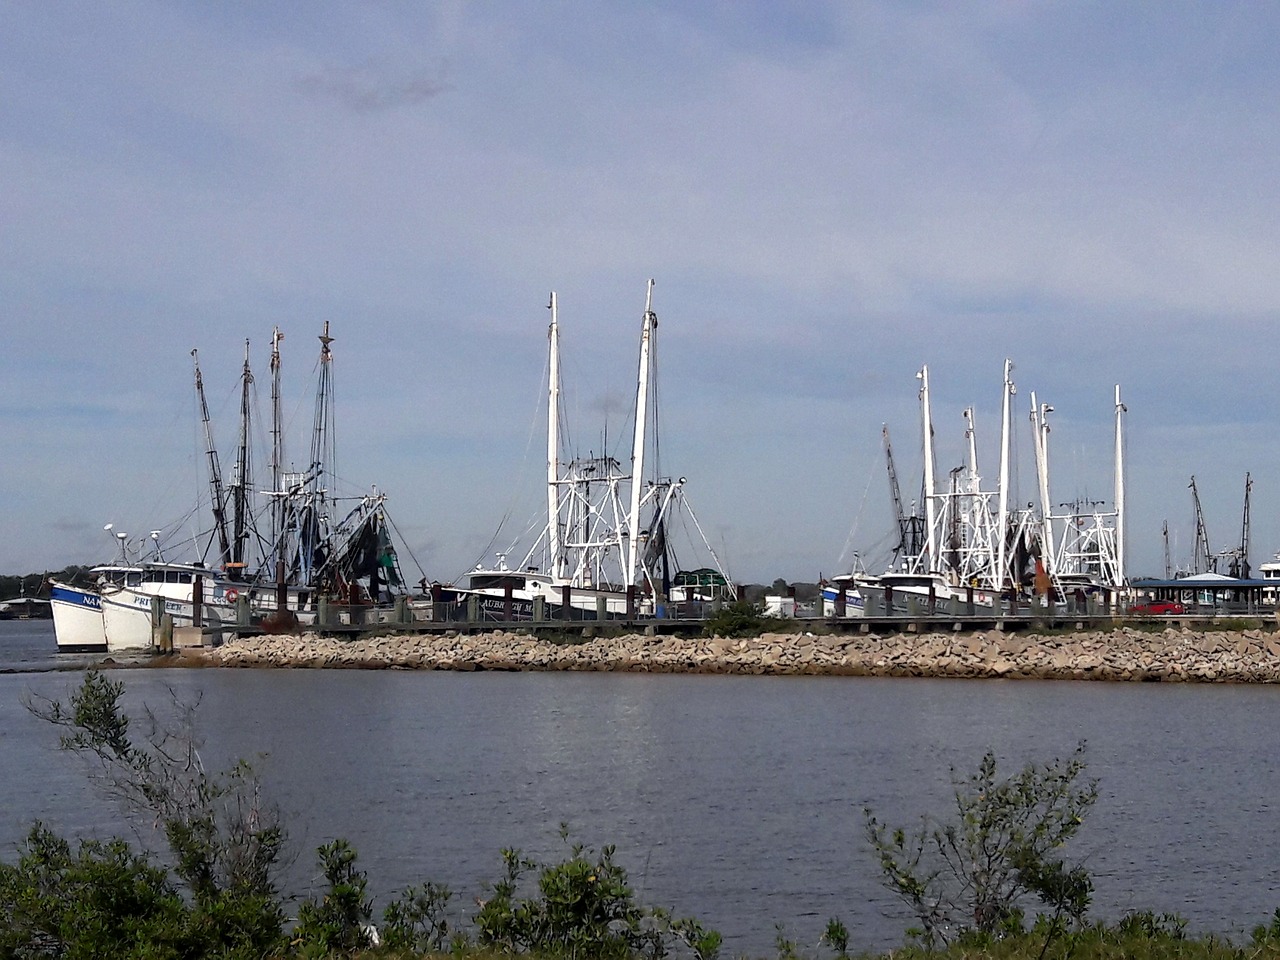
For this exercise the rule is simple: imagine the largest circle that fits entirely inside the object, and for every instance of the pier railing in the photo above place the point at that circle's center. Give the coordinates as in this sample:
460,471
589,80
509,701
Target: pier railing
587,614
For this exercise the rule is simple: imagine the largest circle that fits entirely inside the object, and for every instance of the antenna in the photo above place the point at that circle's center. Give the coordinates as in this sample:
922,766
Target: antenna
121,538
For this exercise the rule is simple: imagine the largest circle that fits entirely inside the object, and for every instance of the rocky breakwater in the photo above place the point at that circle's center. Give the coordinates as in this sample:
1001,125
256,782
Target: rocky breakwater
1249,656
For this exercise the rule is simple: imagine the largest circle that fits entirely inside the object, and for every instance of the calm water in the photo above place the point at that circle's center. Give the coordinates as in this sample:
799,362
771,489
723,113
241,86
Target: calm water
736,800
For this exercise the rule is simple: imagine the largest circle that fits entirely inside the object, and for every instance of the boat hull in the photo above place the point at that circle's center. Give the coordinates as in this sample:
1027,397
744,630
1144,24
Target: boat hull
77,619
854,604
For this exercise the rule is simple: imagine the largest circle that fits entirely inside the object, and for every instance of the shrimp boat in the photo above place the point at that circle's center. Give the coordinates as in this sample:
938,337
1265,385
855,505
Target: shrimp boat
77,611
273,566
971,547
606,548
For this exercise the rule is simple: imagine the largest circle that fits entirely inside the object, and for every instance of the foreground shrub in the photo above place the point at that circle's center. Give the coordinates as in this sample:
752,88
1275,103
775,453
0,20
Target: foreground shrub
418,921
580,907
966,877
337,923
224,842
99,900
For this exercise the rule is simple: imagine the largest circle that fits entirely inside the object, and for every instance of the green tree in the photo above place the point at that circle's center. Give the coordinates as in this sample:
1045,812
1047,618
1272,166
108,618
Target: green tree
969,874
737,619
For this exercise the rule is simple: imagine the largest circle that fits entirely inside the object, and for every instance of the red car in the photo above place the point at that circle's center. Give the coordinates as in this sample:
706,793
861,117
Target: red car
1157,608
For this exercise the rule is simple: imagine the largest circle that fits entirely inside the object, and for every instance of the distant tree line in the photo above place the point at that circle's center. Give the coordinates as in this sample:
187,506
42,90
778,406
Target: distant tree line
37,584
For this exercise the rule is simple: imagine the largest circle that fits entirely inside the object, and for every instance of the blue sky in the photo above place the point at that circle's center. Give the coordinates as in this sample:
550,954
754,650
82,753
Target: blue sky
828,195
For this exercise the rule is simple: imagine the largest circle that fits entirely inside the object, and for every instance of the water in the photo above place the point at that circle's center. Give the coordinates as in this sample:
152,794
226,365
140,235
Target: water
27,645
734,799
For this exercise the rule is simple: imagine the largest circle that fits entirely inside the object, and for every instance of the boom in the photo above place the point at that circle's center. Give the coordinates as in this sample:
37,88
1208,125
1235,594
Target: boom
1201,551
215,470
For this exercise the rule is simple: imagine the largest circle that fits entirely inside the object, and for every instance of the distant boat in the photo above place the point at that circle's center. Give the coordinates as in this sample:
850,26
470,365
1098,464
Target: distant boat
608,531
318,546
25,608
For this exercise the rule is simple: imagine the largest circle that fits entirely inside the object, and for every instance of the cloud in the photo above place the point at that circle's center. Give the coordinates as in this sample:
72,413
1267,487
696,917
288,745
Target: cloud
827,201
369,89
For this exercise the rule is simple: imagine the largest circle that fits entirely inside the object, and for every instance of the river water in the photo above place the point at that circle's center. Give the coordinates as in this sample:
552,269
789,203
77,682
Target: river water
737,800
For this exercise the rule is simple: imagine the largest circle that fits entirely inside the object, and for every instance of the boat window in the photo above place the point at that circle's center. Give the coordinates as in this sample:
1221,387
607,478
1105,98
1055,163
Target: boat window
133,579
171,576
150,576
184,578
496,582
907,580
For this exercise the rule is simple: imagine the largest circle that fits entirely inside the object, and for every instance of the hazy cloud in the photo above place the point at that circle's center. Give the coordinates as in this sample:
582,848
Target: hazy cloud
370,89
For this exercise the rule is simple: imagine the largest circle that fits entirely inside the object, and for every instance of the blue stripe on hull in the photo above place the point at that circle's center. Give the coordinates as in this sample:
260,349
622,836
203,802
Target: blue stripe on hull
75,598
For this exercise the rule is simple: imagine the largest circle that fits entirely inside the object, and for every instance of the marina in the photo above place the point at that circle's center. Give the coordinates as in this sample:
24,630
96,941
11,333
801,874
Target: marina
735,799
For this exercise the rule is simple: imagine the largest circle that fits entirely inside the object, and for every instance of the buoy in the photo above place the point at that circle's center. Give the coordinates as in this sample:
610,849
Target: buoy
232,596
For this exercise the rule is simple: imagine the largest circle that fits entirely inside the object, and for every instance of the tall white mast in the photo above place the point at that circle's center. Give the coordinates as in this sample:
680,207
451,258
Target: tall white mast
1040,421
930,505
277,448
637,449
553,444
971,434
1002,518
1119,480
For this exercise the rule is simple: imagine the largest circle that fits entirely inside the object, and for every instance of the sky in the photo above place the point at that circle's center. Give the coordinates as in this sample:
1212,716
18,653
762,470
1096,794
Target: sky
829,196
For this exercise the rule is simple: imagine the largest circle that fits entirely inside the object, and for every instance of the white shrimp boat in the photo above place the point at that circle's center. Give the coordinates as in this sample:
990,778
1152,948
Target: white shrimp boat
596,555
318,546
77,612
971,546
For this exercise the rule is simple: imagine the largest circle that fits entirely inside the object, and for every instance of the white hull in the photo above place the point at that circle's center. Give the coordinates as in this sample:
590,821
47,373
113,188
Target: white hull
128,618
77,619
527,587
909,588
854,604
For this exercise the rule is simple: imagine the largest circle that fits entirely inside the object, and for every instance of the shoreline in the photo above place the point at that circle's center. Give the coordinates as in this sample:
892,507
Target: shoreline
1125,654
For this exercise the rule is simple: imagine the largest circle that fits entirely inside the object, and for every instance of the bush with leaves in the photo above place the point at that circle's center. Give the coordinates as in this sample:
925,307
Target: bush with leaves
737,619
98,900
968,876
583,907
338,922
418,920
223,840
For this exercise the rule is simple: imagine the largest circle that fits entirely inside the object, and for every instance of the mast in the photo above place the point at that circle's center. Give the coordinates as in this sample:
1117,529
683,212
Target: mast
321,441
970,434
312,536
1119,481
553,443
895,493
1242,561
637,450
1002,516
240,481
277,447
215,471
1040,422
1168,565
1201,550
930,506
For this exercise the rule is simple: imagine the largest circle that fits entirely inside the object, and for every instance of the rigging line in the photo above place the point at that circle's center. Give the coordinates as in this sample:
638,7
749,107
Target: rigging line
405,543
857,519
654,408
710,549
515,494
